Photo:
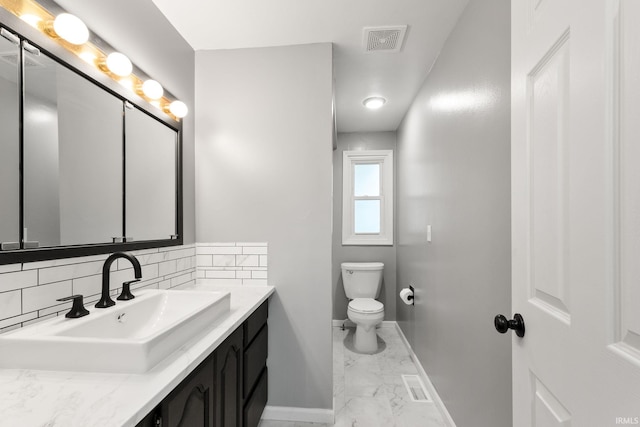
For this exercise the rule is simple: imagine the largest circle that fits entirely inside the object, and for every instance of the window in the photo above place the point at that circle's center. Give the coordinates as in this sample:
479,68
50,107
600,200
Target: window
367,197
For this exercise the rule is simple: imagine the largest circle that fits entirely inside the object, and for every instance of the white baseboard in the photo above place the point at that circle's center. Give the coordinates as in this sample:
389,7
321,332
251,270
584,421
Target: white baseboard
349,324
307,415
423,374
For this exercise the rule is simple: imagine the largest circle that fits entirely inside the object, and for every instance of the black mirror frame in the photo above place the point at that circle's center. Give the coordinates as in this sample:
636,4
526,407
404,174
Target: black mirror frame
23,30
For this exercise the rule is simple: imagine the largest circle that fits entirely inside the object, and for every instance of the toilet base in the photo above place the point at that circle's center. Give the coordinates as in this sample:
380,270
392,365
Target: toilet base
365,341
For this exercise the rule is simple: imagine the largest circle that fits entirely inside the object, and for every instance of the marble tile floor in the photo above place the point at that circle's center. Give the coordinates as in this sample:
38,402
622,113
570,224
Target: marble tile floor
368,389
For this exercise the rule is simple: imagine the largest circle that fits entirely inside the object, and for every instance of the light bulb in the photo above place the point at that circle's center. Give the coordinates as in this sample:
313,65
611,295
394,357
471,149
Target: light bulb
32,20
152,89
374,102
119,64
178,109
70,28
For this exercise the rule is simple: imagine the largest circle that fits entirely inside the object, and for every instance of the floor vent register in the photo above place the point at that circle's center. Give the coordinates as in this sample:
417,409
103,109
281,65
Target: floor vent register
416,389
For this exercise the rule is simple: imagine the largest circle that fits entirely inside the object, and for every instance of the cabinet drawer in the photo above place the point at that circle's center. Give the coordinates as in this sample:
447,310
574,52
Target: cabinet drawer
255,359
256,403
255,322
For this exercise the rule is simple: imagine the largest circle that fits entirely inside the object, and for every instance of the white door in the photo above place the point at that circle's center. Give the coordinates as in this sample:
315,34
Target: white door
576,212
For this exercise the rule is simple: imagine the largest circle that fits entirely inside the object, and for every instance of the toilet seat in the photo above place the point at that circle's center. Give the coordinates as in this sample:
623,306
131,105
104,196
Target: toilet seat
366,305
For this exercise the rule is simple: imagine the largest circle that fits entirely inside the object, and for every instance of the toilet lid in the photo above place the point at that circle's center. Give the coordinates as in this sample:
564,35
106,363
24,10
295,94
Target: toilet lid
366,305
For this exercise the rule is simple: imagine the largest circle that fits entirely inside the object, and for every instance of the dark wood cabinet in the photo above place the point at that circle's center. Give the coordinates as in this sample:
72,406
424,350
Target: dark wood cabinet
228,379
254,383
228,389
191,404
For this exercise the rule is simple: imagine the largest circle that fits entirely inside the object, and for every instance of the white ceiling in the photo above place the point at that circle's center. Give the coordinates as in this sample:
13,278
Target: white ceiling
218,24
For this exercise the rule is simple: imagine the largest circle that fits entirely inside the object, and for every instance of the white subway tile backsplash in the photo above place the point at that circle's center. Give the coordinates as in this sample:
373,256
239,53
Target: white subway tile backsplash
232,263
184,263
39,297
32,288
181,280
167,267
204,260
247,260
207,245
11,303
59,309
224,260
220,274
9,268
224,250
243,274
258,274
18,280
66,272
254,250
90,285
10,321
39,319
221,281
65,261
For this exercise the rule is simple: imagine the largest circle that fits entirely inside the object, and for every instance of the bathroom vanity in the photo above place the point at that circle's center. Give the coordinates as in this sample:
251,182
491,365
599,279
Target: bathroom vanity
218,378
228,389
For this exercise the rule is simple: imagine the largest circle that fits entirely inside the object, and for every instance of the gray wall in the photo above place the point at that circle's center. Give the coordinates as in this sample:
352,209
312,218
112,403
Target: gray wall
263,148
454,173
384,254
153,45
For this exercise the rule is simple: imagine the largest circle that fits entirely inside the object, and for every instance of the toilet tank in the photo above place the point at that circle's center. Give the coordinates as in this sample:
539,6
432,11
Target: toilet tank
362,279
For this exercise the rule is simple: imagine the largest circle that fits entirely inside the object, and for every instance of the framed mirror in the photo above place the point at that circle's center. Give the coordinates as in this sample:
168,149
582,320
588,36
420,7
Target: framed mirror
72,161
85,163
151,149
9,145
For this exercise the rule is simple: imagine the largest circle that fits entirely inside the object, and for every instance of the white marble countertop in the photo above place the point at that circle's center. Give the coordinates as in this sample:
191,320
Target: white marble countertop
68,399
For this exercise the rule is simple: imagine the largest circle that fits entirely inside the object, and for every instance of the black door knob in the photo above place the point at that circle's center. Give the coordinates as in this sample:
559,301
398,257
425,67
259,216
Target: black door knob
503,325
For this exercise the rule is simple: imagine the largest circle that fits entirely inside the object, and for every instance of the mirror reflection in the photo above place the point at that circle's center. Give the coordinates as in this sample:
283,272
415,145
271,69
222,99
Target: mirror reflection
73,177
9,146
150,157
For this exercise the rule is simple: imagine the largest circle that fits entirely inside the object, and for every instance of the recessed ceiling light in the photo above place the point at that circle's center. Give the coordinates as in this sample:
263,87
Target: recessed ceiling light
374,102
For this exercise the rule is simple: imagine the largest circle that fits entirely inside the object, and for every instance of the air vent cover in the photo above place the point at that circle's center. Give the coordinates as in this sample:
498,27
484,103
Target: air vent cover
384,39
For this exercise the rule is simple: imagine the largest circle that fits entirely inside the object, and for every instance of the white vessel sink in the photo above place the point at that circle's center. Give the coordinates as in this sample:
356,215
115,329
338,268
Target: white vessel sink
130,337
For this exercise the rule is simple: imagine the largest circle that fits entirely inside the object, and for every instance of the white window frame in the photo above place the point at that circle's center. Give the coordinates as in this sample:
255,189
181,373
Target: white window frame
385,159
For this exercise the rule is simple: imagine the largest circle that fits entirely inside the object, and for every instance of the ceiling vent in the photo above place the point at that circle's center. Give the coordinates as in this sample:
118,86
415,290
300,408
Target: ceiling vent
384,39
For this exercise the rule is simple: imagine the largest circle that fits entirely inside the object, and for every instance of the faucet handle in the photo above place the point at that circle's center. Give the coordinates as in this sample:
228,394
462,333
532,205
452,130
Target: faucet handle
126,294
77,308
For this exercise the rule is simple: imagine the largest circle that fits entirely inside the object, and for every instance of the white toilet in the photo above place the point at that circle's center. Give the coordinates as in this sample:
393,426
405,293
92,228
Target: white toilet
362,282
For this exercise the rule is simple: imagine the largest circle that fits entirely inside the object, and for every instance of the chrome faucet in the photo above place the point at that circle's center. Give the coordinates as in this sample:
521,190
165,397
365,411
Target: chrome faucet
105,300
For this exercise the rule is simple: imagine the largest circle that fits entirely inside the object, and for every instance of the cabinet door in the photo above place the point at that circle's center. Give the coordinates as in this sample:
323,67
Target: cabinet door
191,404
228,381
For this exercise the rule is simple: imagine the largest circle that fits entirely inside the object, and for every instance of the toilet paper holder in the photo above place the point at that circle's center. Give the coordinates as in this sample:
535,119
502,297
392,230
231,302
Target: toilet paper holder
411,297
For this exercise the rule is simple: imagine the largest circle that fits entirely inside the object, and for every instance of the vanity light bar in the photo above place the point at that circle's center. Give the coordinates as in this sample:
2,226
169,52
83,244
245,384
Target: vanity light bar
71,33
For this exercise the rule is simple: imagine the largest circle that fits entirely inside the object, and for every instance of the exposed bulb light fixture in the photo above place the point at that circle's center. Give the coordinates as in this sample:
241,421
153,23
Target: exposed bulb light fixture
88,57
178,109
32,20
152,89
71,28
374,102
119,64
